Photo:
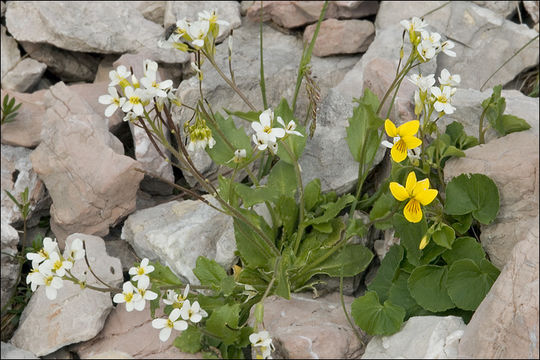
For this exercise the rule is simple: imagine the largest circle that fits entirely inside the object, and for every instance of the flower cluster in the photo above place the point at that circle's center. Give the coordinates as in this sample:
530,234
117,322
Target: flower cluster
404,139
417,192
261,343
427,44
266,136
440,97
49,267
135,297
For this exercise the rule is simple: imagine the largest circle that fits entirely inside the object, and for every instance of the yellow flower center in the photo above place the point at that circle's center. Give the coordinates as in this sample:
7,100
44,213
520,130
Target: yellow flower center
401,146
117,103
57,265
267,129
442,99
43,253
140,271
128,297
135,100
48,280
170,323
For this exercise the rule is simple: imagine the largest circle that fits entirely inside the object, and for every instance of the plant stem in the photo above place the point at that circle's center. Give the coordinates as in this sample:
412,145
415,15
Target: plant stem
262,81
481,139
356,332
92,271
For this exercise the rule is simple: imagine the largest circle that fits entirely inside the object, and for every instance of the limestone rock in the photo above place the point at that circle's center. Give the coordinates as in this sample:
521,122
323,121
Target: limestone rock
421,337
505,325
503,8
310,329
24,76
226,10
76,314
10,52
176,233
12,352
121,250
92,185
532,8
512,163
111,27
340,37
10,266
151,10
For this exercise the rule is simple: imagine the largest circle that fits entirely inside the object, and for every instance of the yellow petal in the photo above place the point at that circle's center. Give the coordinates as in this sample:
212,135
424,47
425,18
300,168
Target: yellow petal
412,142
412,211
427,196
390,128
420,186
398,191
424,242
409,128
399,151
410,184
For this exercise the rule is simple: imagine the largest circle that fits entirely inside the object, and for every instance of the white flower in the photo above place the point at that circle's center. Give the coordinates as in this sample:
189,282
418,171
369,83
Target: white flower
262,344
416,24
119,75
289,129
262,140
239,155
49,246
433,38
166,325
264,126
424,83
193,313
198,31
35,278
200,144
426,50
446,46
113,100
142,290
129,295
149,80
174,298
134,100
447,79
142,270
442,99
52,284
55,263
130,116
250,291
76,250
211,17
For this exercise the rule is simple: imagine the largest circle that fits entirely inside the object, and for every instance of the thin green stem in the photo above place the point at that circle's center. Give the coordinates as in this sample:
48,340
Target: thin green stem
355,330
262,81
481,131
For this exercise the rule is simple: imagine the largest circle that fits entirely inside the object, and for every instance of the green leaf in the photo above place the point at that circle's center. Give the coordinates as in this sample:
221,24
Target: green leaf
462,223
510,123
427,285
465,248
331,210
287,210
253,195
431,252
220,318
350,261
221,152
382,206
410,234
312,194
296,143
189,340
251,277
282,180
469,283
154,304
283,287
163,274
374,318
458,137
444,236
400,295
228,192
250,116
227,285
253,249
472,193
387,272
209,272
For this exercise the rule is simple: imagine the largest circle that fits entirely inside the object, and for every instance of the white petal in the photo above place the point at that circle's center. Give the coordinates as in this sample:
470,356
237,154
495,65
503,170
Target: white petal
105,99
175,314
150,295
165,333
119,298
180,325
50,292
110,110
139,305
277,132
258,127
195,318
387,144
438,106
159,323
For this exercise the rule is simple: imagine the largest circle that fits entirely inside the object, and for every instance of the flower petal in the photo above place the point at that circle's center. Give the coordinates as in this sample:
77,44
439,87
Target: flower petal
159,323
399,151
412,211
390,128
165,333
175,314
180,325
398,191
410,183
427,196
410,128
411,142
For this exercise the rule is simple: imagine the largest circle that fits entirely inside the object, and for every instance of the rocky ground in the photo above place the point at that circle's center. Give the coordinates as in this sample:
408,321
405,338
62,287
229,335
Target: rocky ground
78,165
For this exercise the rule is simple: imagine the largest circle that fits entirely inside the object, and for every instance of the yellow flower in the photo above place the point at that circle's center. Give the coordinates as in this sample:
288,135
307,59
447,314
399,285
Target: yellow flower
419,193
404,138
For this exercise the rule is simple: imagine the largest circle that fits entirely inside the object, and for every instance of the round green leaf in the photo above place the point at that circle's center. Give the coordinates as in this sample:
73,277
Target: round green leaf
374,318
469,283
444,236
464,248
427,287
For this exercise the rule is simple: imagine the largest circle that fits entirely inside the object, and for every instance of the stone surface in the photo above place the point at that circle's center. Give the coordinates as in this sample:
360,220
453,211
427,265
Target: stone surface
505,325
108,28
24,76
503,8
340,37
512,163
10,266
226,10
92,184
10,52
310,329
67,65
177,232
130,335
75,315
533,9
151,10
421,337
123,251
292,14
12,352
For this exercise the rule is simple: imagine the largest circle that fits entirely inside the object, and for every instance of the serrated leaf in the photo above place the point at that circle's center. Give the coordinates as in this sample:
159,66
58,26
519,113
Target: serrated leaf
387,272
189,340
427,285
253,249
332,210
465,248
287,210
222,320
312,193
253,195
374,318
221,152
209,272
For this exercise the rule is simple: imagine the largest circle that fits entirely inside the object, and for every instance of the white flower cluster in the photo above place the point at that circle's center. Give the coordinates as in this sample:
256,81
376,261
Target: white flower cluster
427,44
49,267
135,297
261,342
438,96
266,136
135,98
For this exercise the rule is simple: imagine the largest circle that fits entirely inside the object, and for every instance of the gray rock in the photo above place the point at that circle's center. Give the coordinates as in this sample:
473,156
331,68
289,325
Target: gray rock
151,10
532,8
421,337
24,76
121,250
503,8
3,9
10,266
76,314
226,10
10,52
8,350
176,233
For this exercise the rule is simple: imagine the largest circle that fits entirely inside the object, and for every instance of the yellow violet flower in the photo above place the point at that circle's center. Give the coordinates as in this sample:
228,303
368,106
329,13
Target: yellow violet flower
404,138
418,192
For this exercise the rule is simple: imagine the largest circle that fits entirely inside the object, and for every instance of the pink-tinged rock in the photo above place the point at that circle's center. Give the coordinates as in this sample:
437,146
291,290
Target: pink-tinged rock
341,37
307,328
533,9
130,335
505,325
10,51
24,76
91,183
76,314
10,265
512,163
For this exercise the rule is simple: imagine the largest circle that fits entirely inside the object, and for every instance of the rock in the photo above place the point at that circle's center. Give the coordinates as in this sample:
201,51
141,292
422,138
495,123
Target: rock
79,157
24,76
151,10
109,28
293,14
104,67
505,325
67,65
532,8
382,246
10,266
76,314
17,174
421,337
327,153
226,10
244,6
310,329
512,163
10,52
3,9
129,335
502,8
340,37
167,233
123,251
12,352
